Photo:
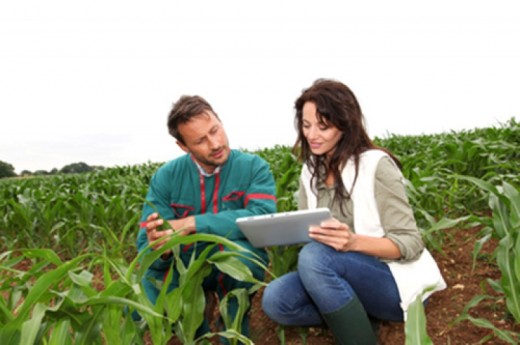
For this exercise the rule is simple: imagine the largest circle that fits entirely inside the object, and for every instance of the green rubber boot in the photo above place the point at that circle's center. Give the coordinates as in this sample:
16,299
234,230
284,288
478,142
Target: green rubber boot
350,325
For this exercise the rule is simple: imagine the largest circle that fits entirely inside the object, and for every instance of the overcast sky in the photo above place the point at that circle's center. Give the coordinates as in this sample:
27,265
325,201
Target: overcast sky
93,81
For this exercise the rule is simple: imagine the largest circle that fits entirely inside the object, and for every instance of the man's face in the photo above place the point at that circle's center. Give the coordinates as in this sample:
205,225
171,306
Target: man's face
205,138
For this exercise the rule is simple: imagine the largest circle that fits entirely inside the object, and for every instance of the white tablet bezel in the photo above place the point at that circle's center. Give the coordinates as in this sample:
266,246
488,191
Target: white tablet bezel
283,228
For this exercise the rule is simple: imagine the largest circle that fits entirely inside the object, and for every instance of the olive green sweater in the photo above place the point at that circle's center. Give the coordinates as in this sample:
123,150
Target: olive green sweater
395,212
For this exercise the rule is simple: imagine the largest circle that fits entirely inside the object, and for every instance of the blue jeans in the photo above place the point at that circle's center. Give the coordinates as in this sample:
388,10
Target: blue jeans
325,281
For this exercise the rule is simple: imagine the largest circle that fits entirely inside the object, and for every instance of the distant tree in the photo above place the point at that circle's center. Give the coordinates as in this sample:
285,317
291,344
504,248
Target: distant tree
73,168
40,173
54,171
6,170
25,173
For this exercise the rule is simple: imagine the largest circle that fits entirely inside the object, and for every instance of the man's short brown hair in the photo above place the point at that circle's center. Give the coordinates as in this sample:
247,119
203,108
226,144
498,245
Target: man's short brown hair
184,110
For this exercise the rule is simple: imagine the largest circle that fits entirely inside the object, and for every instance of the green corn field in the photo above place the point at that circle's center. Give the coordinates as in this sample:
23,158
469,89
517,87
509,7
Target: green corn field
70,274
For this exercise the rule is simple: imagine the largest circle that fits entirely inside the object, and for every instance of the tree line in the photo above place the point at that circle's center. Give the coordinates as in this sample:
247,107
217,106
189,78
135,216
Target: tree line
7,170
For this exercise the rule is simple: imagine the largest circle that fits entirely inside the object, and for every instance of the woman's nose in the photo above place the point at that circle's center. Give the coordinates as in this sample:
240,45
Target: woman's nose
312,132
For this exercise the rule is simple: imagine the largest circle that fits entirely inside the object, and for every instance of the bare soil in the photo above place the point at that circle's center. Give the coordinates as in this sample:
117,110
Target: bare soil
442,309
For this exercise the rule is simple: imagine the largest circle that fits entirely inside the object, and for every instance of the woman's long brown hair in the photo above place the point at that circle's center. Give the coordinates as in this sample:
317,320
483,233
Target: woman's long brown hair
336,105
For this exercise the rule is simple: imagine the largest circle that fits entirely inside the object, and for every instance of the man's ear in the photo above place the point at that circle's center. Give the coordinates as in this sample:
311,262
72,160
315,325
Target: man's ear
182,146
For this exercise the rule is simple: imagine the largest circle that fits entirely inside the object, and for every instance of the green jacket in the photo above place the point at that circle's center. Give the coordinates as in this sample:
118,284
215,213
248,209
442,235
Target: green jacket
244,186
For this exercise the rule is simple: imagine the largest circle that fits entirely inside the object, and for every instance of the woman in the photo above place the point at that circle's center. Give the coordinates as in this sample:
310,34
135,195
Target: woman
369,260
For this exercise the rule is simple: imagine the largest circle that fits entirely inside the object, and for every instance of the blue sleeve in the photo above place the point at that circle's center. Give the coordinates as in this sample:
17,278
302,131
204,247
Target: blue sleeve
157,200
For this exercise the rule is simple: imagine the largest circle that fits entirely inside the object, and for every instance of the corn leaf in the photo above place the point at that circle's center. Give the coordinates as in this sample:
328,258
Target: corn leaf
415,326
60,335
226,262
31,327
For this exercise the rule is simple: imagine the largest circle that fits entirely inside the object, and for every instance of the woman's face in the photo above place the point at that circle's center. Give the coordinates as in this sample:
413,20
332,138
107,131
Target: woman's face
321,136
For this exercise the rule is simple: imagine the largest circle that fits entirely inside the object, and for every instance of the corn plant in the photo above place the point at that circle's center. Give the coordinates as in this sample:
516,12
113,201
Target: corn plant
286,171
71,213
285,168
430,162
56,301
233,326
415,325
184,305
504,201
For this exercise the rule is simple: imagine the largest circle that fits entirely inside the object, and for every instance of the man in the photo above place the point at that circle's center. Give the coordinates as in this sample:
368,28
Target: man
204,191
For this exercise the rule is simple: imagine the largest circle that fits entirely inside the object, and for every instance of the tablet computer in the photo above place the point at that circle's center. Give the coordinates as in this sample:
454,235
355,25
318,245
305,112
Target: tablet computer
283,228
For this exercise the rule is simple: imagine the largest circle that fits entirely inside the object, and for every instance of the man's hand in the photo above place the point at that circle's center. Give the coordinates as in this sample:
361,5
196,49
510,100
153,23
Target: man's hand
153,234
183,227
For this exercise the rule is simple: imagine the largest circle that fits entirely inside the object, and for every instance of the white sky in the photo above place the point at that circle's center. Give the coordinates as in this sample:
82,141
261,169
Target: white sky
93,81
